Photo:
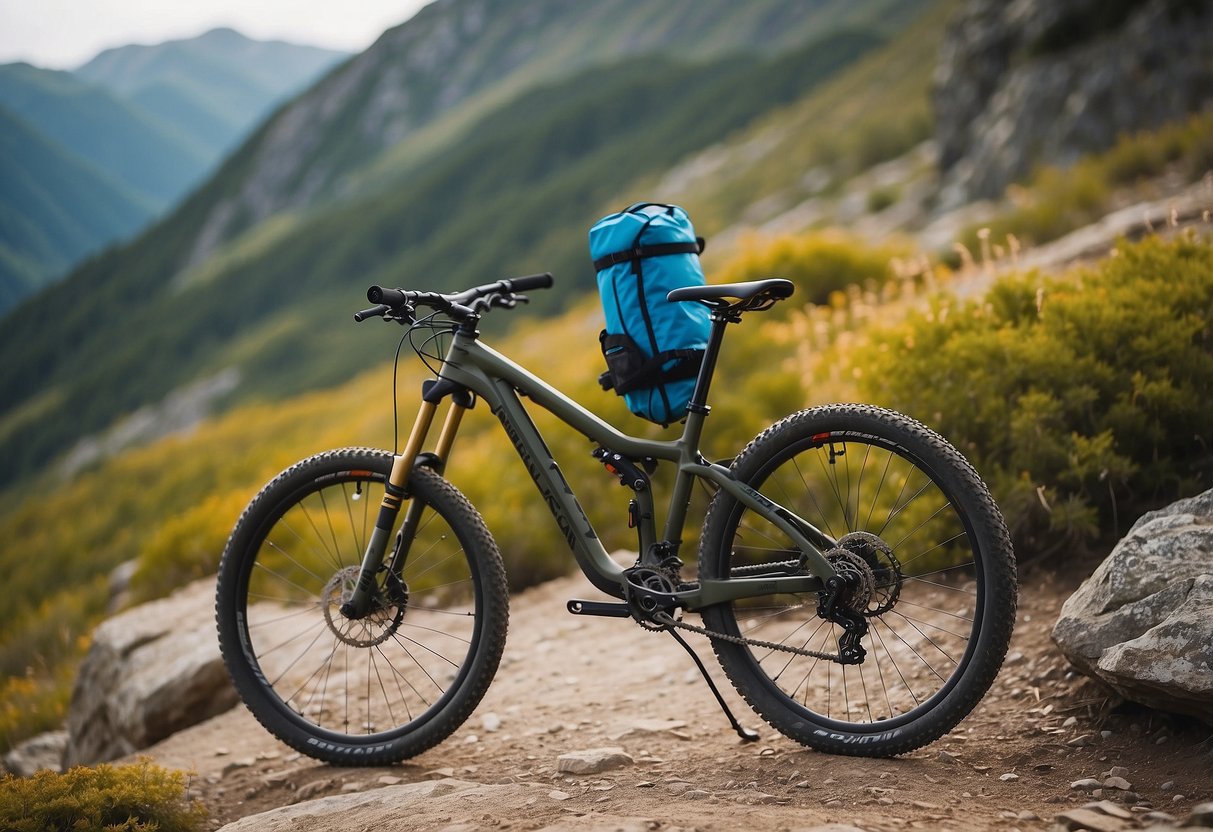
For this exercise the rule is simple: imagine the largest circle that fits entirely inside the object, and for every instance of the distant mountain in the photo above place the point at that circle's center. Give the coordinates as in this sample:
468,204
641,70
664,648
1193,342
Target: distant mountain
153,159
214,87
132,131
54,208
81,168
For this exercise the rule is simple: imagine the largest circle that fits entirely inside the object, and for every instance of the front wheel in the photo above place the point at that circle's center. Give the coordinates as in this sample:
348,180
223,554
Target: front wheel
389,685
930,570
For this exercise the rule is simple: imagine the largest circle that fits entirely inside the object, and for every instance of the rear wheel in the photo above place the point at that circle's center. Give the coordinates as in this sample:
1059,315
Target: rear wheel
931,572
383,687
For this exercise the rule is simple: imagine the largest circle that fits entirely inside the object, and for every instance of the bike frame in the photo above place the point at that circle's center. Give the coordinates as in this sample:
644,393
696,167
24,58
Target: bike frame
471,365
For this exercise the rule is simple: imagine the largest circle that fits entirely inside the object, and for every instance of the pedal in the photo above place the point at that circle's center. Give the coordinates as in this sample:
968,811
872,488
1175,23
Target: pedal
607,609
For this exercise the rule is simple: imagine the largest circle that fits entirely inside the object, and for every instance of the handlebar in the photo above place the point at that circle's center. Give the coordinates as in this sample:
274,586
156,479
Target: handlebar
460,305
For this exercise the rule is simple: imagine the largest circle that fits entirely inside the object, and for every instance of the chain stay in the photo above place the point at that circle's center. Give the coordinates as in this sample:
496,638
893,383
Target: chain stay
662,617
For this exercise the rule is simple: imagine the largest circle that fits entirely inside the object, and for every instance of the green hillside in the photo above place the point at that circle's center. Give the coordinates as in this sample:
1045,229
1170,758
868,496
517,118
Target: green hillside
512,193
134,130
54,208
149,157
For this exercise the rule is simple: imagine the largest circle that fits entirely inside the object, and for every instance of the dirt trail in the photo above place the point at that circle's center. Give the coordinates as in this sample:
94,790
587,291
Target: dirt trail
568,684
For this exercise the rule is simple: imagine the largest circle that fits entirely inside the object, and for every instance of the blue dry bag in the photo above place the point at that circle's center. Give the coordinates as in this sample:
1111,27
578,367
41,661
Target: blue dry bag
653,348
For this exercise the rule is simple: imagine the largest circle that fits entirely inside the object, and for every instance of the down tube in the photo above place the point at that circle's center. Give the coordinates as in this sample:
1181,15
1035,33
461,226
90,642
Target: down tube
588,550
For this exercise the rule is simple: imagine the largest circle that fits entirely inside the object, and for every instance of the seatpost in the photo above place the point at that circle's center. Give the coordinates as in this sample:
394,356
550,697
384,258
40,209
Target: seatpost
703,382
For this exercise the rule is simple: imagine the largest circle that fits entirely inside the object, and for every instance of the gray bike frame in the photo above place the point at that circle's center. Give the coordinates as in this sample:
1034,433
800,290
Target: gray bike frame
499,382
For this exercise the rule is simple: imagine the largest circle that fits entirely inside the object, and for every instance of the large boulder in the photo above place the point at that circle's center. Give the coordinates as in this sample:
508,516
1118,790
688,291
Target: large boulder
1143,622
150,672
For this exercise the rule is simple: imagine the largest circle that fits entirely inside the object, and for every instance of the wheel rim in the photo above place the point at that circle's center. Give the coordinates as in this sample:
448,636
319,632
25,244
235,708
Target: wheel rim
364,681
924,608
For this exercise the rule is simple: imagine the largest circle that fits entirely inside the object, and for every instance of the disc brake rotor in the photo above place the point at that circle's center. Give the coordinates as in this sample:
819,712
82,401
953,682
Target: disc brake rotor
379,624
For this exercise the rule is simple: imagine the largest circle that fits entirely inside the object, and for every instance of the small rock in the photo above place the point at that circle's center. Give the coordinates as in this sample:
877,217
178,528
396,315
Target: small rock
440,773
1027,815
1179,798
1009,777
390,780
353,786
1116,771
1107,807
1159,817
310,790
1117,783
276,778
1081,741
1167,786
947,757
1201,815
678,788
1070,722
243,762
593,760
1087,784
696,794
556,794
1088,819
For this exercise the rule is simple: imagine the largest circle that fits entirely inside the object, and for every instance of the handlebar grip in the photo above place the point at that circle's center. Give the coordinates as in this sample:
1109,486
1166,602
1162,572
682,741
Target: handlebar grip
373,312
391,297
533,281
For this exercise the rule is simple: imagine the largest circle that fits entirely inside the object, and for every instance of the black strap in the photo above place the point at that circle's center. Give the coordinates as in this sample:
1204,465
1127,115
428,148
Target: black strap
653,372
655,250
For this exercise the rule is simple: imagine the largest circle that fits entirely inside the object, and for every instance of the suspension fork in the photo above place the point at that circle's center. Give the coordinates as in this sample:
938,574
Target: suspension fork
395,495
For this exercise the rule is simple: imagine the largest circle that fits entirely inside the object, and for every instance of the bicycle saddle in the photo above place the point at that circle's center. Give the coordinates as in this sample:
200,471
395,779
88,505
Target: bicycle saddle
750,296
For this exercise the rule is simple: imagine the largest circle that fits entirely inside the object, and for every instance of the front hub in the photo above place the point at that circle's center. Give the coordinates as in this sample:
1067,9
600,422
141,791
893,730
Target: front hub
387,607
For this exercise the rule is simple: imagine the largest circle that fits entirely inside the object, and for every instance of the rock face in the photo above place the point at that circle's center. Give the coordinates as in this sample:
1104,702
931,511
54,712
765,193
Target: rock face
1042,81
150,672
1143,622
41,753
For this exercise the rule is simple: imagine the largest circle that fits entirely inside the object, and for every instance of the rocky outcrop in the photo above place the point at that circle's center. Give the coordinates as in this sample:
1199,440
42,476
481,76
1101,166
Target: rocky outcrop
41,753
1043,81
149,672
1143,622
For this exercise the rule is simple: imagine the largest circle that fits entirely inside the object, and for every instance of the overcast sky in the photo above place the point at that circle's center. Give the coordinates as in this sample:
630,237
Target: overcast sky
63,34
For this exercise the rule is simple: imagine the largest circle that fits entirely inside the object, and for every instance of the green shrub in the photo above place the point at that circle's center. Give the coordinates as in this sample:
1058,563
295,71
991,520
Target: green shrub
818,263
134,798
1083,400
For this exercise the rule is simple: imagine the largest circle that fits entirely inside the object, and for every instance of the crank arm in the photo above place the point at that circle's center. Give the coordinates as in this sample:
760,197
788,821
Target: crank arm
608,609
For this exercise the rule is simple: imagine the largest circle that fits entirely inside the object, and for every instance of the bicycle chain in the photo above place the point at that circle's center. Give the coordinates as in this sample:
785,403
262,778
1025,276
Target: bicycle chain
669,621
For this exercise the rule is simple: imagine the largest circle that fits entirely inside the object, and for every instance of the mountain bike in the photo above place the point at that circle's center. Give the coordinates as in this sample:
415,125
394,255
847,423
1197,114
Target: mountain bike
855,578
